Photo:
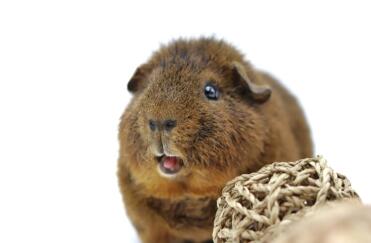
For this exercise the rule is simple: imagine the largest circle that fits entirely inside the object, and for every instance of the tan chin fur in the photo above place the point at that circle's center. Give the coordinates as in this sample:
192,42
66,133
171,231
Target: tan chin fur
220,139
189,182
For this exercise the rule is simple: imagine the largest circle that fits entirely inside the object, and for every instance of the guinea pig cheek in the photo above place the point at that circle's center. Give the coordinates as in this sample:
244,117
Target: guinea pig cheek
169,166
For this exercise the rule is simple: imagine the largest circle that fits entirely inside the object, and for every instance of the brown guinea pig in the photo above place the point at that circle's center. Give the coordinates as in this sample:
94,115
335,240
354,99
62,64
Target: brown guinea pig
200,115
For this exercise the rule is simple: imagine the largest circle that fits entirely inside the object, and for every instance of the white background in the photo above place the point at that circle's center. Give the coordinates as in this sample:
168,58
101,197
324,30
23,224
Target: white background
64,66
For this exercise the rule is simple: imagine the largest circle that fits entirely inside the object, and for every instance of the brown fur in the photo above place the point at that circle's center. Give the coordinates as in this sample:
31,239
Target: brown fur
217,139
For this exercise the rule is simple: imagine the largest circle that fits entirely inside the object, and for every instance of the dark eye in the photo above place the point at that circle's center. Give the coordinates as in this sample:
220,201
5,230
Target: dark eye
211,92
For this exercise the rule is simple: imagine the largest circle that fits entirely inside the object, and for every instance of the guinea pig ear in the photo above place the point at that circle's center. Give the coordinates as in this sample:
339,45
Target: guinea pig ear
257,92
138,80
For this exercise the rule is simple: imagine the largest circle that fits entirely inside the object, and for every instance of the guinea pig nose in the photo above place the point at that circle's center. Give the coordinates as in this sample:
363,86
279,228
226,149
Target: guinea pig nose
169,124
152,125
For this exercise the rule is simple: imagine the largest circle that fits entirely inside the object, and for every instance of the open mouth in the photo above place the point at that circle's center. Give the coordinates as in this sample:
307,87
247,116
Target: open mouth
169,165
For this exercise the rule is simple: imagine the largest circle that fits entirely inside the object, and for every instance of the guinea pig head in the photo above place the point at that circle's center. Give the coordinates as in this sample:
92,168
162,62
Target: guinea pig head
193,125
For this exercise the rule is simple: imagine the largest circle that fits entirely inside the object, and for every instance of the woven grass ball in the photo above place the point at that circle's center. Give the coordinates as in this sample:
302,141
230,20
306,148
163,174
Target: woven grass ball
252,206
334,223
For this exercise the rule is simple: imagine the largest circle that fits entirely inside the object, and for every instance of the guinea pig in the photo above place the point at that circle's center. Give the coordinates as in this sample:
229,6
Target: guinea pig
200,115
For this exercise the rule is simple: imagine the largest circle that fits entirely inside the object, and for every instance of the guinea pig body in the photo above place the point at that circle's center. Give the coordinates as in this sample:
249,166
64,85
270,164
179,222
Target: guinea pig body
200,115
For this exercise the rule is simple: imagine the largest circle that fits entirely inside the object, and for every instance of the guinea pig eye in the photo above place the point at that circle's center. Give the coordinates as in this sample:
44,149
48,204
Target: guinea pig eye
211,92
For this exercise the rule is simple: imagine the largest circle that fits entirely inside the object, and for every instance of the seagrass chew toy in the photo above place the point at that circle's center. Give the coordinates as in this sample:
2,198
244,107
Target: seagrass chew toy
340,222
261,206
